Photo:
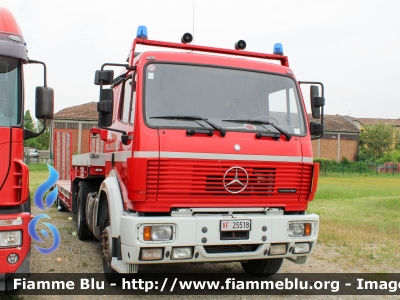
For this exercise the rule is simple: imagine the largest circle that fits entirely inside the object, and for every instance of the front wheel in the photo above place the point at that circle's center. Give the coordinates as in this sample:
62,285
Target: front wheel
262,267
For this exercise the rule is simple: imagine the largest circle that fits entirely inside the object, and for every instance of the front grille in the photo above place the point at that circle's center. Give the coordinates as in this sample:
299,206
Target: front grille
231,248
203,180
261,181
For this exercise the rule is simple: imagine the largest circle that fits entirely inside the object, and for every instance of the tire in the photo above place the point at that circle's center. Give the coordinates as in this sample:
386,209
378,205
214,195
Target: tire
263,267
83,231
60,205
110,274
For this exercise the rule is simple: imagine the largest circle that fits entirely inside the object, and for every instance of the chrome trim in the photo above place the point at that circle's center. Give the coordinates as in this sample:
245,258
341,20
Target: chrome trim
219,156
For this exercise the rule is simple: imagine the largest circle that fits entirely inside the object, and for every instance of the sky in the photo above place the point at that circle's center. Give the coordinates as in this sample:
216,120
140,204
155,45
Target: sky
352,47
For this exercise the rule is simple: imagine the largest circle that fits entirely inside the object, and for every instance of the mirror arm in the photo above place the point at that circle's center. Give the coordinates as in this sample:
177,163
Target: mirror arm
111,129
44,66
317,137
314,82
30,134
124,138
126,66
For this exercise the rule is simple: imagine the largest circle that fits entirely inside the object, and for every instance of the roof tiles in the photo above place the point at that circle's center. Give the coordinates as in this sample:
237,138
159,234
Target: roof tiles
87,111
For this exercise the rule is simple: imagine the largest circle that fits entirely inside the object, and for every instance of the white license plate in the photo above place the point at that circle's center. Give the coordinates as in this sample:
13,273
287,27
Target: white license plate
235,225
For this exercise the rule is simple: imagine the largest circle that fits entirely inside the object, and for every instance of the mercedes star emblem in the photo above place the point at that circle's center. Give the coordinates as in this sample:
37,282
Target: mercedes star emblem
235,185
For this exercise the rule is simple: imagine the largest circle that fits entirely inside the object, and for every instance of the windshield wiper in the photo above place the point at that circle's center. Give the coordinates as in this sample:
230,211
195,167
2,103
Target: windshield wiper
193,118
287,135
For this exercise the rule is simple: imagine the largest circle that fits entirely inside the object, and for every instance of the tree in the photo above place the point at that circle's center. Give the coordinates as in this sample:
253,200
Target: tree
42,141
378,140
28,121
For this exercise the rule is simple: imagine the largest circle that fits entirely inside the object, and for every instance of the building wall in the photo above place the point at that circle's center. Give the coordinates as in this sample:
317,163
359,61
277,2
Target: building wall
74,138
349,149
85,142
336,145
80,131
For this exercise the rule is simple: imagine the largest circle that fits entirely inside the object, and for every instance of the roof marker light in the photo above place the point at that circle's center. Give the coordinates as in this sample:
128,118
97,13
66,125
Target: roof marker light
278,49
187,38
240,45
142,32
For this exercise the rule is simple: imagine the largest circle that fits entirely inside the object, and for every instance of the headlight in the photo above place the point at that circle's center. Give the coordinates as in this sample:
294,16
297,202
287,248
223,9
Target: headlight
182,253
277,249
300,229
10,238
301,248
151,254
158,233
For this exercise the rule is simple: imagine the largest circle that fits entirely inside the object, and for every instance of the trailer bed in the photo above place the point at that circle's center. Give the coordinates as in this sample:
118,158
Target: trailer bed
64,193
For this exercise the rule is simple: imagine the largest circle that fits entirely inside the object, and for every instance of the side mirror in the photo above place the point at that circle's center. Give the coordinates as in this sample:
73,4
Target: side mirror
104,77
316,102
316,128
44,103
105,107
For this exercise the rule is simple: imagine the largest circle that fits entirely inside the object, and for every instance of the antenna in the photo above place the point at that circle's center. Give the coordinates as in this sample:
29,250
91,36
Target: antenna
193,22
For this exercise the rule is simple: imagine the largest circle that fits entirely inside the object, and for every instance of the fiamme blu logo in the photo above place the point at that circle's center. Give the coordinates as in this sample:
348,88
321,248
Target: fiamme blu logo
48,202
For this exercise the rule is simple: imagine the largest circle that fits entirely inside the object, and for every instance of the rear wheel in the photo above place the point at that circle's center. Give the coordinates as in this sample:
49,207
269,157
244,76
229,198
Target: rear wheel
263,267
106,247
82,228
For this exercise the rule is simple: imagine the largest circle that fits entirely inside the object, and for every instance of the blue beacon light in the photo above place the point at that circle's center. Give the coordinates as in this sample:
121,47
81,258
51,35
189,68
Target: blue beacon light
142,32
278,49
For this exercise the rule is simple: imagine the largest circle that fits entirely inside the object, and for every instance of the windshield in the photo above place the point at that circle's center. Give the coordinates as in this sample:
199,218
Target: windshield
10,92
220,95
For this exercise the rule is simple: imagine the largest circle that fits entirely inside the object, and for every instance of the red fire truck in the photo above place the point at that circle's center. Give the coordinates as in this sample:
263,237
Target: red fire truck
206,157
15,213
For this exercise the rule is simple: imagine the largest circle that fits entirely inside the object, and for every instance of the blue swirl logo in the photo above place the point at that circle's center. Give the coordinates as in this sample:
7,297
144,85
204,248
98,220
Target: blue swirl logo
49,201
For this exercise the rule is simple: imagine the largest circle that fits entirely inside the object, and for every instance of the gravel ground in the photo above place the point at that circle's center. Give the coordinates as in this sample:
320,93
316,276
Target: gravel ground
75,256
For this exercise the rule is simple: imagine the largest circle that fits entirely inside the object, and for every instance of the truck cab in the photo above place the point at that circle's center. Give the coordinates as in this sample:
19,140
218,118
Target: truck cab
207,158
15,210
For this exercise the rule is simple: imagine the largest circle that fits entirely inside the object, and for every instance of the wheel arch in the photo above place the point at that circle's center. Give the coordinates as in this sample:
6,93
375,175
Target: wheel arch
110,197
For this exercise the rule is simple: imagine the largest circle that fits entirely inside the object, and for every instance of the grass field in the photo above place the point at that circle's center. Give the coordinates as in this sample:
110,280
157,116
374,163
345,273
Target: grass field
38,173
359,219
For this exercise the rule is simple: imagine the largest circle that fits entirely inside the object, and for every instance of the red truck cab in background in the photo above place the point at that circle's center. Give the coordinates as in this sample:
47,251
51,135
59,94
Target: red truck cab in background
15,212
207,158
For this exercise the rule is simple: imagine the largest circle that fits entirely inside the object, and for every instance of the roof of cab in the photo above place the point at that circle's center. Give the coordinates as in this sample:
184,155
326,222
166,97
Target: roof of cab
8,23
229,61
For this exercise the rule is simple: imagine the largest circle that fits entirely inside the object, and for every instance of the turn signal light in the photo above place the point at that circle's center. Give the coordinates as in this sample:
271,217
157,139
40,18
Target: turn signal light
307,229
147,233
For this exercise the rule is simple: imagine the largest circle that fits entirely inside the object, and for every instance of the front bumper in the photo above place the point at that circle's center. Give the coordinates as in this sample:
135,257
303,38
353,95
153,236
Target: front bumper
23,271
202,232
8,270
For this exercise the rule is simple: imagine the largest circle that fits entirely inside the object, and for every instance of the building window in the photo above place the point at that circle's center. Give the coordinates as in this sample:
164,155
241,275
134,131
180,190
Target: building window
72,125
59,125
349,137
330,136
88,126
